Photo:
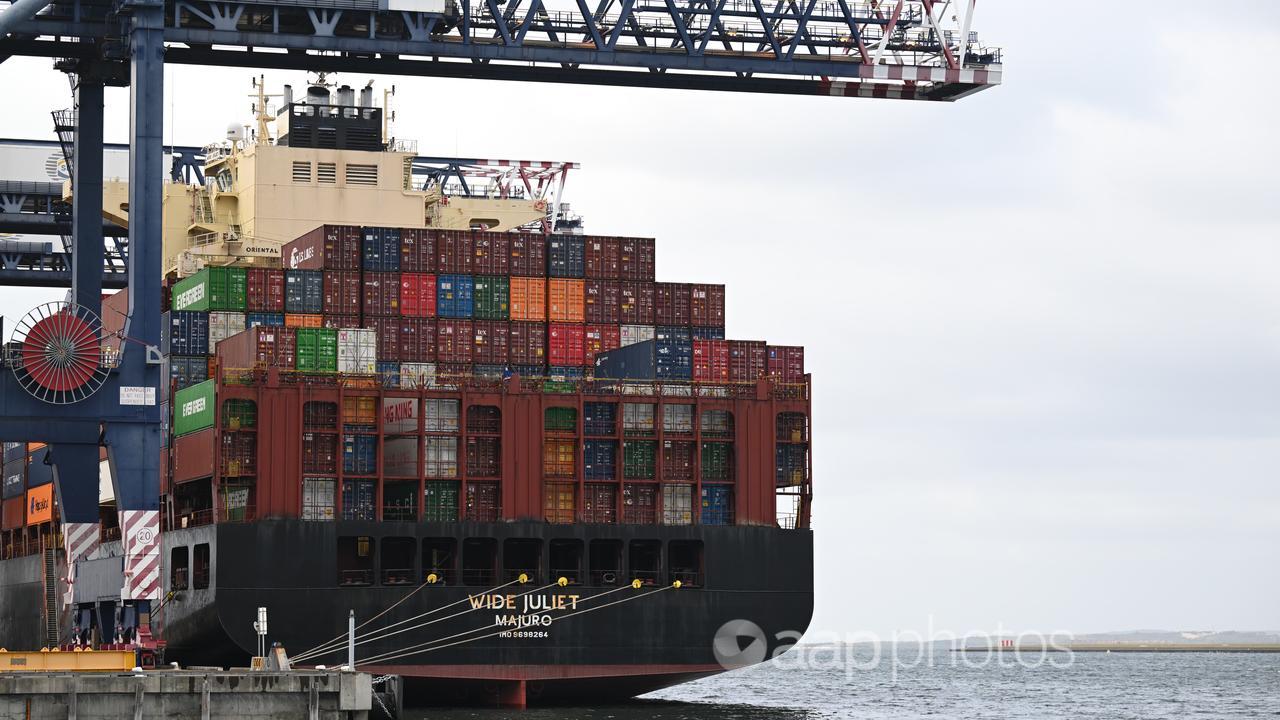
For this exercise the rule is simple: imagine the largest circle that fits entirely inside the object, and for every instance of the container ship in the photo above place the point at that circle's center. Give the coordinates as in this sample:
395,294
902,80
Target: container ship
530,471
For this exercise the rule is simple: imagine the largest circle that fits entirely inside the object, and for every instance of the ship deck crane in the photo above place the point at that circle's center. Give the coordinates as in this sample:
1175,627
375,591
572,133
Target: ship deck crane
900,49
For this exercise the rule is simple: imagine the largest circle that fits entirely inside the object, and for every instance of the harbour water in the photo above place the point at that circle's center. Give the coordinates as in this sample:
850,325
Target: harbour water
824,683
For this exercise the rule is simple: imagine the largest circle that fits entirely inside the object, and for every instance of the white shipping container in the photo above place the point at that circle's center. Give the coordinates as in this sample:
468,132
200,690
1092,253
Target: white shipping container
442,457
417,375
400,457
358,351
677,419
677,504
399,415
632,334
223,325
317,498
441,415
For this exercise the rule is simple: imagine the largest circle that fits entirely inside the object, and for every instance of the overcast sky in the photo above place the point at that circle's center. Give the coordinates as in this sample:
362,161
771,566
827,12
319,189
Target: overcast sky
1043,323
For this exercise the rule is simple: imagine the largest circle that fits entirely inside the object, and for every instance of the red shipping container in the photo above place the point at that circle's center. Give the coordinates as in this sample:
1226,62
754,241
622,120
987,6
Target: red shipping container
636,303
671,303
417,295
786,363
706,305
527,343
339,321
454,251
265,290
492,253
566,344
381,294
417,340
528,254
388,331
710,360
636,259
598,339
342,294
193,455
417,250
261,345
602,258
328,247
748,360
454,340
491,343
602,302
14,513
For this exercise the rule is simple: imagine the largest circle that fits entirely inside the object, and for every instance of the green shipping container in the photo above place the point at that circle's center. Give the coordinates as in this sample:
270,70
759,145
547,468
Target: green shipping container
638,458
440,501
211,289
492,294
317,350
561,419
717,461
193,408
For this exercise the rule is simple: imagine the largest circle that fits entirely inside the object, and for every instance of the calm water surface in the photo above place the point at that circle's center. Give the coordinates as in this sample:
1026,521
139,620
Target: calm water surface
1146,686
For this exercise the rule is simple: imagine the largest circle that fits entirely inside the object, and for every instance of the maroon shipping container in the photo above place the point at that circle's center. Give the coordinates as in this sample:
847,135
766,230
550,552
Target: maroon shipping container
342,294
14,512
264,290
454,340
262,345
491,343
417,250
454,250
239,455
528,255
381,294
706,305
491,253
417,340
193,455
603,256
748,360
677,460
328,247
711,360
598,339
320,452
566,344
527,343
636,303
484,457
636,259
786,363
602,302
387,330
341,321
671,304
417,295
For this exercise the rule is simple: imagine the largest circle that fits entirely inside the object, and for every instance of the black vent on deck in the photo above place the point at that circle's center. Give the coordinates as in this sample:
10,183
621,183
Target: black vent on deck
333,127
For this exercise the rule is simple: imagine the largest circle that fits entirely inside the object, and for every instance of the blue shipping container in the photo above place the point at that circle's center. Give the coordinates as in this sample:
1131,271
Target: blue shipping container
390,374
489,372
360,454
675,353
708,333
184,332
600,418
633,362
14,451
187,370
455,296
263,318
37,472
358,500
528,371
304,291
380,249
14,481
561,372
600,459
717,505
566,256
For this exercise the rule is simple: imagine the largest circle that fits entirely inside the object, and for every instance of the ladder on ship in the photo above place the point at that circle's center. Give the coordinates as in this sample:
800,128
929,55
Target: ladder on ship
49,636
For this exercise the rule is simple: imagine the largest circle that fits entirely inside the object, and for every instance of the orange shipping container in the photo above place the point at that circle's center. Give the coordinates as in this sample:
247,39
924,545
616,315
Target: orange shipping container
34,446
359,410
566,301
295,320
528,299
40,504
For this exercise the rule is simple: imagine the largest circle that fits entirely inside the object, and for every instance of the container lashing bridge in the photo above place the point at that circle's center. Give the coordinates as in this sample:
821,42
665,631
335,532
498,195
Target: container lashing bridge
921,50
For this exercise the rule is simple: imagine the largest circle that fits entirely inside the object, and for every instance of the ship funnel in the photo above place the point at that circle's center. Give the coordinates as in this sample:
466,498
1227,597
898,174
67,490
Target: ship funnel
288,96
366,95
317,95
346,96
